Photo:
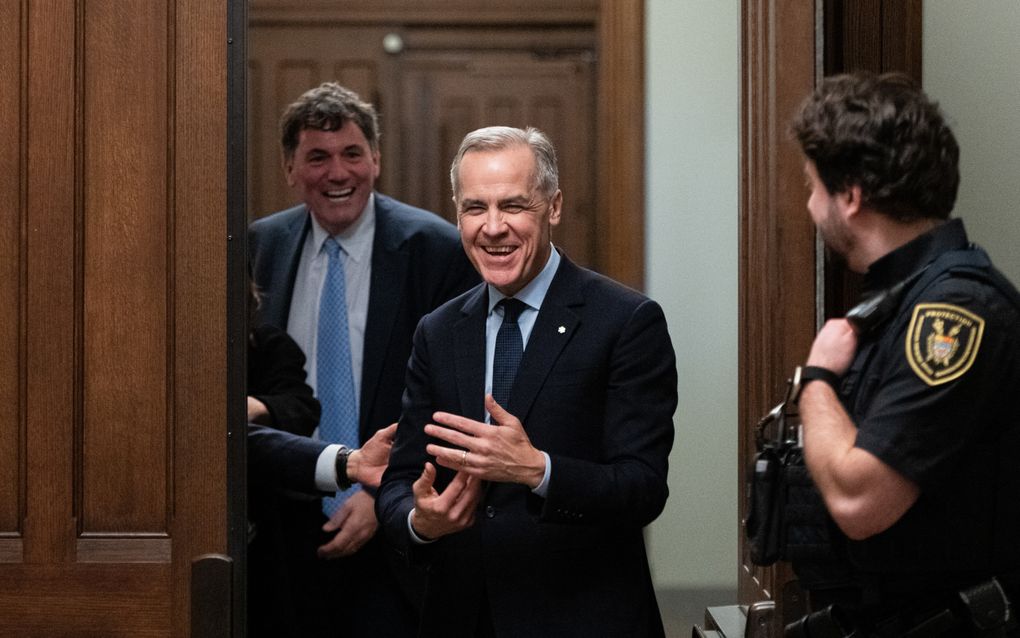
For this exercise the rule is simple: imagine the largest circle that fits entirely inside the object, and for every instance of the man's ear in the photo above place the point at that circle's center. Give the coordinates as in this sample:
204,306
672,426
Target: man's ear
288,170
555,208
852,201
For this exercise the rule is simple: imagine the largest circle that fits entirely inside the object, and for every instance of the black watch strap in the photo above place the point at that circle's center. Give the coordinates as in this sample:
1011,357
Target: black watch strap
816,373
342,481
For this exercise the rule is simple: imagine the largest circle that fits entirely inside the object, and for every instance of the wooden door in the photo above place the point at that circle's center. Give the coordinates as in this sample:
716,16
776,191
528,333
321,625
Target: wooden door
113,334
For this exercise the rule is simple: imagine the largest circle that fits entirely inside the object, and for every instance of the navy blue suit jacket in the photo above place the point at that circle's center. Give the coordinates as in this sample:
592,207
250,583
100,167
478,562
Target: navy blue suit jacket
417,264
281,459
596,390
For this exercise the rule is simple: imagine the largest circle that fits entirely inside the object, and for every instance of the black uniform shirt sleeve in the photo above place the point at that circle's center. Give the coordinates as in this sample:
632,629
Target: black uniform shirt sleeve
919,429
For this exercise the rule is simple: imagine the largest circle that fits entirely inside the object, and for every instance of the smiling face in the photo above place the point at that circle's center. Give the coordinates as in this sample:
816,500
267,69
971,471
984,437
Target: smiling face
505,222
334,173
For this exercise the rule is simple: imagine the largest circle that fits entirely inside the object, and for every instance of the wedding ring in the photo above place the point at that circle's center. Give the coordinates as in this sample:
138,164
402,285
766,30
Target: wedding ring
463,458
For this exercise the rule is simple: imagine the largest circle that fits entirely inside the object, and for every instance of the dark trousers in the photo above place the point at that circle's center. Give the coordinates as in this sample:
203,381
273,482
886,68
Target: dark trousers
293,593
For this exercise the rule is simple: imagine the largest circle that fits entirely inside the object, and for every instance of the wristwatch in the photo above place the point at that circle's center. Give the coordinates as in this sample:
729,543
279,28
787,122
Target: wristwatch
342,481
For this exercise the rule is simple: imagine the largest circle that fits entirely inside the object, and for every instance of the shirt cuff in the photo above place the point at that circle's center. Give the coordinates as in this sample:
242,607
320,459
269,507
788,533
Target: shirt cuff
418,540
543,488
325,469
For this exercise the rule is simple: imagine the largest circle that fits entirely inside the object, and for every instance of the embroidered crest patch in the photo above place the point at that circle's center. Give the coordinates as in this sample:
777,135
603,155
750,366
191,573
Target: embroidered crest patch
942,341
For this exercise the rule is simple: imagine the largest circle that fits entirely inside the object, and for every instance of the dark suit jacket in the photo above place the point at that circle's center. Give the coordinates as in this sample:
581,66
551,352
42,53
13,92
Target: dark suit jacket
596,390
279,459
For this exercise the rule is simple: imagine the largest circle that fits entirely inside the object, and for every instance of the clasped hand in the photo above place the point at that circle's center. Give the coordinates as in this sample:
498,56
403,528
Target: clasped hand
500,452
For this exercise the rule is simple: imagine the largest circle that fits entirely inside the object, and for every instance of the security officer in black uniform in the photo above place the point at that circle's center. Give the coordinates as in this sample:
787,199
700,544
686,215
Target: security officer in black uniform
911,405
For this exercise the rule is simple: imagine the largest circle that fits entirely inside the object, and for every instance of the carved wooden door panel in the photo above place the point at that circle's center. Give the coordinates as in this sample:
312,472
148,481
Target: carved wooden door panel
113,333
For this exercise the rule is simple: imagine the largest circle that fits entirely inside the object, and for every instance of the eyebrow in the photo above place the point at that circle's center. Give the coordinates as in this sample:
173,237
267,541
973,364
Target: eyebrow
326,151
516,199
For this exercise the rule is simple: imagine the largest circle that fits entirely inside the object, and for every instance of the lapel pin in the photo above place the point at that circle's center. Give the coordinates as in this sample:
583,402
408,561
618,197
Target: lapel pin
561,329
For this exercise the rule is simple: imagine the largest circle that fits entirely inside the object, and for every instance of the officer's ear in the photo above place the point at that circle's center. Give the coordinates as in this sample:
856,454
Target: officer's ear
851,201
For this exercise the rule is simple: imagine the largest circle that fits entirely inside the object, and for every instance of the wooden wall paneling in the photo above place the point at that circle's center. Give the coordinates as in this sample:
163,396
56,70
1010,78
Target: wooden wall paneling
434,12
853,31
902,25
873,35
52,211
777,239
12,453
621,133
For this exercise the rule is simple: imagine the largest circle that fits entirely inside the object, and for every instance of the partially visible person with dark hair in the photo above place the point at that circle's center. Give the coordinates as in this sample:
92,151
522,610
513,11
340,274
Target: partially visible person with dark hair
881,134
277,393
911,428
348,274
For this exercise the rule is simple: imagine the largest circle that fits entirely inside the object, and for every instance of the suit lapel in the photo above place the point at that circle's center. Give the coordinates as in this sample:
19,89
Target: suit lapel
389,270
554,327
469,354
277,310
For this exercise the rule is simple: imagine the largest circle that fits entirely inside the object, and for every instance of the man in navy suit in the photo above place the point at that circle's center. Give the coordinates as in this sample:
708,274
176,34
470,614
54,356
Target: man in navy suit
529,513
399,263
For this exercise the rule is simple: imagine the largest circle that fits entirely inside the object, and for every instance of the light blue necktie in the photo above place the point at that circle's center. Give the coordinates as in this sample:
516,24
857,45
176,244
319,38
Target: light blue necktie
334,379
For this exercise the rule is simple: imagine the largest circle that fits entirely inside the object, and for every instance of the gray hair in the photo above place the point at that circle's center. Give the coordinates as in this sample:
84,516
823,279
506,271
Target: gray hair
497,138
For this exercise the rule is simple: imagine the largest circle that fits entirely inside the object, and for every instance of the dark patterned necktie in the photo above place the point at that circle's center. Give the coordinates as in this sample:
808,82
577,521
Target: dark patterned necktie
509,349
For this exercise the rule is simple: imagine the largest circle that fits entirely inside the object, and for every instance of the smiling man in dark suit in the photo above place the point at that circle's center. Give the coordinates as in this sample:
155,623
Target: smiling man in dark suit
394,263
537,423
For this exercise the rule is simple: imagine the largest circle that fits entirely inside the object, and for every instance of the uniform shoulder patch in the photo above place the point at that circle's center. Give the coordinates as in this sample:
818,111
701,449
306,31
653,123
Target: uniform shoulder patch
942,341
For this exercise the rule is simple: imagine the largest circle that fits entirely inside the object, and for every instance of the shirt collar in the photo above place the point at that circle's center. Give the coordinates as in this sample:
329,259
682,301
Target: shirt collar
532,294
896,266
356,241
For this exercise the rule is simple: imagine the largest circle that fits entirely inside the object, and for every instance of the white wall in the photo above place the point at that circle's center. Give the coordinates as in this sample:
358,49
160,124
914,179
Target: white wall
972,67
691,256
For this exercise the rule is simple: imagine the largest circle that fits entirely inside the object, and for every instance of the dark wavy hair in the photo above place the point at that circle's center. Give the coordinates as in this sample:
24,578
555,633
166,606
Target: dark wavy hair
883,134
326,108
